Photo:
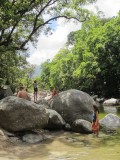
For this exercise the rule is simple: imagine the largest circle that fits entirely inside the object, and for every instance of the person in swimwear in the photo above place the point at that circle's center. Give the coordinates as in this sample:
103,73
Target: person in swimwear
54,93
35,90
23,94
95,121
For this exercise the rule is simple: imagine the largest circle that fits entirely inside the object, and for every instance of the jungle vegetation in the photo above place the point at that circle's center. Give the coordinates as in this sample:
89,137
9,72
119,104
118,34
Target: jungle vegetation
90,60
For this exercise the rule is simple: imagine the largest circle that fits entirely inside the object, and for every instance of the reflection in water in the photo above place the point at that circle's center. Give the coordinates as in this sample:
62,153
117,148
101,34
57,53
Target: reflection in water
110,109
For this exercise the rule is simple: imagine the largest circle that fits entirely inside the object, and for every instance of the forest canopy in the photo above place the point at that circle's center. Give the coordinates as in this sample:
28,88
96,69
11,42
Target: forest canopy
22,21
89,61
93,63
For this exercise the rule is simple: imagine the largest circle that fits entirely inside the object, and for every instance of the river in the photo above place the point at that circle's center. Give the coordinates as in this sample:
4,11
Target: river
69,146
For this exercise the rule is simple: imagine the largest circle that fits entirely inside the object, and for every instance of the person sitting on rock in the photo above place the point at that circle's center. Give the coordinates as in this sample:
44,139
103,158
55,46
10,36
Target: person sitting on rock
55,91
53,94
23,94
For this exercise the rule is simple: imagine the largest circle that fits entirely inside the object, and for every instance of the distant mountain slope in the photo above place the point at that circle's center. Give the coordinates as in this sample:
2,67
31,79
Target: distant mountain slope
36,71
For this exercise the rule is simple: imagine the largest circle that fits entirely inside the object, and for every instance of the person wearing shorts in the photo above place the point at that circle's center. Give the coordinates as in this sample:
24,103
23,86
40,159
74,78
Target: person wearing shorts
35,90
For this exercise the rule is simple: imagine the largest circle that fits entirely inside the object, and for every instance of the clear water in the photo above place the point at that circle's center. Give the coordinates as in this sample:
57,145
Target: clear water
69,146
109,109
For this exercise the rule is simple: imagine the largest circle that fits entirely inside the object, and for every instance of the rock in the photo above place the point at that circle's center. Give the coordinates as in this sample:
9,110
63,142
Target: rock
81,126
94,97
110,109
67,127
55,120
100,100
43,102
17,114
33,138
5,91
111,102
73,104
4,137
110,122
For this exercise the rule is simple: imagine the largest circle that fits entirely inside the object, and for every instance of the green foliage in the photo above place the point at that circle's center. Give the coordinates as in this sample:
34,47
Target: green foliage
22,21
45,73
93,64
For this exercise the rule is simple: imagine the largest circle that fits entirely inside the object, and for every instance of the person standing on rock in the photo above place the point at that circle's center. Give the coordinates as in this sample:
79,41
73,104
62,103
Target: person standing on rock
23,94
35,90
95,120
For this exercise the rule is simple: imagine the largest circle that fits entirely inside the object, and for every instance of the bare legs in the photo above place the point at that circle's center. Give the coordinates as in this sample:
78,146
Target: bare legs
95,128
35,96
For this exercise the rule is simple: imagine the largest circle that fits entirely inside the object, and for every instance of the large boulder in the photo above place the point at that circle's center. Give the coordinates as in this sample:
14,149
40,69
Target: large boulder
73,104
110,122
17,114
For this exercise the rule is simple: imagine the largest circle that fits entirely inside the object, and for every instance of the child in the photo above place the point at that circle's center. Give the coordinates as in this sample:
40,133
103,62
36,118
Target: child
54,93
35,90
95,121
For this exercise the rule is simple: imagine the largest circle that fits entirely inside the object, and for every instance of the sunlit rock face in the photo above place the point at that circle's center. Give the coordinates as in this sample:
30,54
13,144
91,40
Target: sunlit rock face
110,122
17,114
111,102
73,104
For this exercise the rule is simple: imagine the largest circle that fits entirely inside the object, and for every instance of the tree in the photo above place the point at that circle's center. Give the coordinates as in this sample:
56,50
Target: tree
22,20
92,65
45,74
11,65
102,41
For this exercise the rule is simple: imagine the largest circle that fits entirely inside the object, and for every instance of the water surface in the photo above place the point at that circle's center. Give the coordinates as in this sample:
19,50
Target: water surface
69,146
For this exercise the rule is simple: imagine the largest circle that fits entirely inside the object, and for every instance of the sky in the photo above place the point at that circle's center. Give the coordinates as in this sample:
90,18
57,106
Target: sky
48,46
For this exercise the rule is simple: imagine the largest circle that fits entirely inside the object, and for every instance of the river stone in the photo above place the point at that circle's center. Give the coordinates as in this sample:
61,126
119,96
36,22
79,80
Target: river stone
32,138
17,114
81,126
73,104
55,120
110,122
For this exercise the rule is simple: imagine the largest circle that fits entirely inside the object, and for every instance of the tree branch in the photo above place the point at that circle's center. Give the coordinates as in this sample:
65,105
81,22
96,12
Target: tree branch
35,29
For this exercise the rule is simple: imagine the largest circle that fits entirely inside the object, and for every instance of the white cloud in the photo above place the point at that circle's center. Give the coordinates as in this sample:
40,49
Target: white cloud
109,7
48,46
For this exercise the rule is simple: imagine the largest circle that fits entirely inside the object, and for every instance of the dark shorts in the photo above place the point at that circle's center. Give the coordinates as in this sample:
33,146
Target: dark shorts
35,89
